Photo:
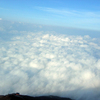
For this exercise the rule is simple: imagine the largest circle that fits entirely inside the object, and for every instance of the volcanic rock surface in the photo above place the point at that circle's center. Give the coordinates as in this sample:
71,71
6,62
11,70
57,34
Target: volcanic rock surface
17,96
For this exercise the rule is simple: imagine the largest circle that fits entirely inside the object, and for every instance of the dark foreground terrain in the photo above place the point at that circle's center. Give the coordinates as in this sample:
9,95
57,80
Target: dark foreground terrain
17,96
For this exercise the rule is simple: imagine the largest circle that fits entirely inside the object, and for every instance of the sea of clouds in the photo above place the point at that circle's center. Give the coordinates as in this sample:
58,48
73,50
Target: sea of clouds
44,63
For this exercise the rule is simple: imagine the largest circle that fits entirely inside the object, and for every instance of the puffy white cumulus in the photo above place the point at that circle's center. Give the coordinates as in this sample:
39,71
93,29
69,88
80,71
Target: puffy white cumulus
48,64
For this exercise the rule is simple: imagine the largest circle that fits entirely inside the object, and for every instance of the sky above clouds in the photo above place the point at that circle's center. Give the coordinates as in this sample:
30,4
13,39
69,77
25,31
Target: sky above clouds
69,13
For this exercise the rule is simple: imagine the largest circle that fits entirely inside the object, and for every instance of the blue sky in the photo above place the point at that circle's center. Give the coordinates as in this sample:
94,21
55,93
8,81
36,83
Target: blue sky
68,13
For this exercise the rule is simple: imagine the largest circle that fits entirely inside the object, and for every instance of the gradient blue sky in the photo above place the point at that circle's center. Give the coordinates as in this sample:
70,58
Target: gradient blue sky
68,13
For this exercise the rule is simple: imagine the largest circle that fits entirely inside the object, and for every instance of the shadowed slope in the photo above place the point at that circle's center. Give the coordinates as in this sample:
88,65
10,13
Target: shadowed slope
16,96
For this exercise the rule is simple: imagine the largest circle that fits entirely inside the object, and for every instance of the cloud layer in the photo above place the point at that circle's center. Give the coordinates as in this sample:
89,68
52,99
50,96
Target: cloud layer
42,63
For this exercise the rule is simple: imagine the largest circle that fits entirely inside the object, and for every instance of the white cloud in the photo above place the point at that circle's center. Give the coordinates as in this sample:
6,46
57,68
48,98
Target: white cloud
0,18
48,64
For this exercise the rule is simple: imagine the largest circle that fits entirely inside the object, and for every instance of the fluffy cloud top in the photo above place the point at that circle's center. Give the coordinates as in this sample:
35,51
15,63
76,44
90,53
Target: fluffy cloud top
47,64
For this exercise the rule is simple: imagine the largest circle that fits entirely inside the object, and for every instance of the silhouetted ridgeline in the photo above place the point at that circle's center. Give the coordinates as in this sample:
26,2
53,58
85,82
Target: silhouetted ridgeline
17,96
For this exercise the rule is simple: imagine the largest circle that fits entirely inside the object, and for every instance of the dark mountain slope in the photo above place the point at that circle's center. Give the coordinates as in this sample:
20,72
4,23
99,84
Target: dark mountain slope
17,96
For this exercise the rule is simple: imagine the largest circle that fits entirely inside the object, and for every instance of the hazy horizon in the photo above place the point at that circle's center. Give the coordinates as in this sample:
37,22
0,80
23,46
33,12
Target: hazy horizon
77,14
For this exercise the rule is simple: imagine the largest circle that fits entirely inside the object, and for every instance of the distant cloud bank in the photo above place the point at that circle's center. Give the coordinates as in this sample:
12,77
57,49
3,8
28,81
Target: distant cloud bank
41,63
